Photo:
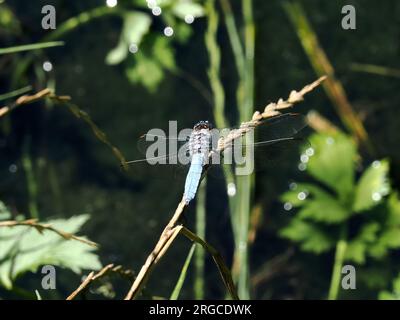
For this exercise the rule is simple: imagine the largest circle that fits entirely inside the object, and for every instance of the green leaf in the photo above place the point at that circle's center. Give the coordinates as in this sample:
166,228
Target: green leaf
25,249
333,162
163,53
310,237
376,277
395,295
4,212
292,196
184,7
393,209
146,71
357,248
136,25
118,54
372,186
318,206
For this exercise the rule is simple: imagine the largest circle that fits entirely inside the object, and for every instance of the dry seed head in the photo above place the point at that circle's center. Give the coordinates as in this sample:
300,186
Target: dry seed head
283,104
256,116
270,110
295,97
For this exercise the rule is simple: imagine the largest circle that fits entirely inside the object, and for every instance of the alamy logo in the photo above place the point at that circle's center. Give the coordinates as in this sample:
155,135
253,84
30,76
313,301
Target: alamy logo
49,280
49,20
349,20
349,280
173,148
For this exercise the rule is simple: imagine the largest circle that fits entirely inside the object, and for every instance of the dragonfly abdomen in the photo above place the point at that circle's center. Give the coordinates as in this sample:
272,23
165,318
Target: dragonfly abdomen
193,177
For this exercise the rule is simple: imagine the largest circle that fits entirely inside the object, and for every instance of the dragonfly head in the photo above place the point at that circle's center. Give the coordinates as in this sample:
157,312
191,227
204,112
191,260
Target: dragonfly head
202,125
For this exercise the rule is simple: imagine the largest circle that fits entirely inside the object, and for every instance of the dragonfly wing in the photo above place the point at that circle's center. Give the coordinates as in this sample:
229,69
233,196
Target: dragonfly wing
164,144
161,163
273,141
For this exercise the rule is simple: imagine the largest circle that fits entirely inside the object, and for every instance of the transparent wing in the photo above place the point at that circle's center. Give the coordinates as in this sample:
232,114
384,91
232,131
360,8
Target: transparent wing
167,146
270,144
277,129
164,157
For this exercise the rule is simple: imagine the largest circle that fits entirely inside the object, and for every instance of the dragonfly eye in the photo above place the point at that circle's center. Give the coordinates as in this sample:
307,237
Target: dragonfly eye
202,125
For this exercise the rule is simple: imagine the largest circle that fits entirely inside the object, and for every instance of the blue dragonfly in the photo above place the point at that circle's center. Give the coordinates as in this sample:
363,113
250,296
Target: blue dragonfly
196,147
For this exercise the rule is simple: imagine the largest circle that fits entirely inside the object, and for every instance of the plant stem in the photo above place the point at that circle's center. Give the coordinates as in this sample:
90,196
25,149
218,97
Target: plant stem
244,183
32,46
30,182
178,287
201,232
338,264
214,54
15,93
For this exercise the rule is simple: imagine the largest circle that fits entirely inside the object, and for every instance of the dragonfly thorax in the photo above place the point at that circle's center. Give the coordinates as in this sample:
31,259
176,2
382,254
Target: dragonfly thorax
199,141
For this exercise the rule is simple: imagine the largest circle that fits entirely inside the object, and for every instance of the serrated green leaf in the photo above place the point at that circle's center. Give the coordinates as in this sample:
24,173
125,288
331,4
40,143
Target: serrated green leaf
318,206
378,250
393,209
323,208
310,237
357,247
292,196
391,238
333,162
25,249
372,186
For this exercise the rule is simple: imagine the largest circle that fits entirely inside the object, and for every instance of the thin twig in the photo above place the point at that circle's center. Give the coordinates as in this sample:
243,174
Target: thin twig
171,230
42,226
83,285
100,274
26,99
168,233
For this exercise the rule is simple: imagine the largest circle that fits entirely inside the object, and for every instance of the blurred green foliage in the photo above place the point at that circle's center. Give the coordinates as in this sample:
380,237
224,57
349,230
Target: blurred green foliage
337,200
153,53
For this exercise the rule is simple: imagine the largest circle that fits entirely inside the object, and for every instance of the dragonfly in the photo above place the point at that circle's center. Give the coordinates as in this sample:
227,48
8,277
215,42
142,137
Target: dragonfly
195,148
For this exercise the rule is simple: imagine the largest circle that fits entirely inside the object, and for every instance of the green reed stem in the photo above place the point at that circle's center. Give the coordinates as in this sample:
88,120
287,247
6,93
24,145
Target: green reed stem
30,47
15,93
201,232
245,183
182,276
337,266
30,181
214,54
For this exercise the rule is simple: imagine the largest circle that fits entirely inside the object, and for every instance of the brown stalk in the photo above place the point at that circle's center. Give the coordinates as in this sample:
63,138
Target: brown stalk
110,268
46,226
